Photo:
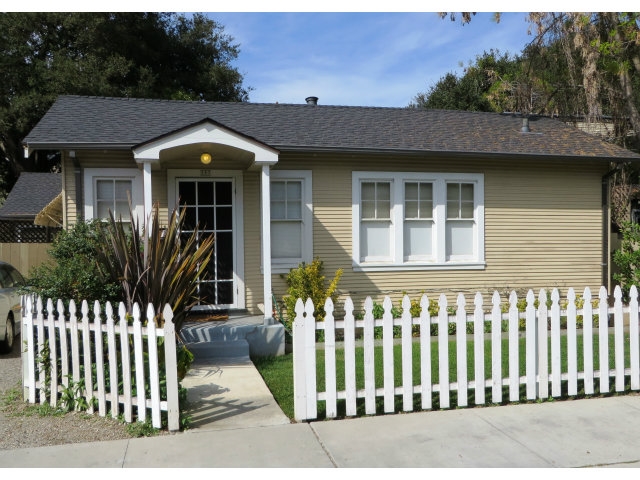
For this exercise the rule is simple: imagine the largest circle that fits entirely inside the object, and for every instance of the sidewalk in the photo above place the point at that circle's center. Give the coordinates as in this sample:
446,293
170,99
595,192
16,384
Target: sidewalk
600,432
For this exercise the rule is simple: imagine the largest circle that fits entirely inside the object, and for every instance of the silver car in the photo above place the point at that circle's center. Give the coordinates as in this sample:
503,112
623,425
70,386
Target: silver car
10,310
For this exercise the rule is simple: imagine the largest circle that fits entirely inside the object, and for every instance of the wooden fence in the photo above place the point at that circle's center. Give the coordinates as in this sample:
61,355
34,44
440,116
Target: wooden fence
541,356
25,256
84,357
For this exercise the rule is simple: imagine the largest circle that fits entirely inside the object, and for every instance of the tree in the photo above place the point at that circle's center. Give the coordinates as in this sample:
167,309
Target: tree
152,55
597,69
476,89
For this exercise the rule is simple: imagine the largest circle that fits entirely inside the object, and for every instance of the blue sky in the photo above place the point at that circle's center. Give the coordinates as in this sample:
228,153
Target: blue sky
370,59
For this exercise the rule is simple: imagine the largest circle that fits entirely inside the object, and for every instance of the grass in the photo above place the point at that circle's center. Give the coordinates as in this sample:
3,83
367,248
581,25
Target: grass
278,373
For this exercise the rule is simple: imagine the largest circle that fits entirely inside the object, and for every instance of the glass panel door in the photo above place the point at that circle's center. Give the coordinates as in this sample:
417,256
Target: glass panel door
209,205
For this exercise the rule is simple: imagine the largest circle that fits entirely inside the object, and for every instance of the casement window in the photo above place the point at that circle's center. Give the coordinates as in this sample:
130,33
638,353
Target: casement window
291,219
109,190
417,220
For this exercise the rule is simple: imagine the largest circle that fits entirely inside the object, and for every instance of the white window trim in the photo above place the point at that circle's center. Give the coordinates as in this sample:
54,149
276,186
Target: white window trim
439,260
92,175
283,265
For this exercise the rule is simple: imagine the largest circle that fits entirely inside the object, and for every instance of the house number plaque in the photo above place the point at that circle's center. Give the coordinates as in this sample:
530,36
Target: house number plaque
205,173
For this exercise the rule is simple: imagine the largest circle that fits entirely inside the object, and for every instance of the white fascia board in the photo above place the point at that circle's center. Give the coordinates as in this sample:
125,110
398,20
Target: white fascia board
205,133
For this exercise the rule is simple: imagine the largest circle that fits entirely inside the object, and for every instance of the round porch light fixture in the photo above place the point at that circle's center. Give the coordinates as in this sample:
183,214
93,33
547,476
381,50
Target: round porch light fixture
205,158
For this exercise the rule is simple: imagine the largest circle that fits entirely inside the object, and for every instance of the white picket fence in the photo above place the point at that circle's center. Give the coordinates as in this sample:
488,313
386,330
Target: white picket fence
79,348
543,356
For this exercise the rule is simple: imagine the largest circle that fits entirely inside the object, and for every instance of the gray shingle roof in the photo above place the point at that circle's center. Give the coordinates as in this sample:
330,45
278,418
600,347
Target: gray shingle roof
77,122
31,193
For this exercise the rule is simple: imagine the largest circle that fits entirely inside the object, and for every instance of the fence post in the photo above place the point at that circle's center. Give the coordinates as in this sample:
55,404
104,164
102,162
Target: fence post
461,347
29,374
634,349
556,373
330,359
387,356
171,366
299,364
369,357
443,351
603,333
425,353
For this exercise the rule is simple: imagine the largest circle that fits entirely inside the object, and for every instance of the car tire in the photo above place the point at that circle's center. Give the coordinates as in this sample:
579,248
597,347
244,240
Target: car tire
7,345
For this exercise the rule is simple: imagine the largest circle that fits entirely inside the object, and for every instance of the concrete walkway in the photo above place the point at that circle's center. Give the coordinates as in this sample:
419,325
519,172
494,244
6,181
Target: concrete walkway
237,424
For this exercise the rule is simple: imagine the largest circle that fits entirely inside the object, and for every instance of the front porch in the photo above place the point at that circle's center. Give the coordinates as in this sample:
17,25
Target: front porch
239,335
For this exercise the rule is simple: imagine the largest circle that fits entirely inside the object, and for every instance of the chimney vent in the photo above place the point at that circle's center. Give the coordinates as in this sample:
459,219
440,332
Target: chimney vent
525,125
311,100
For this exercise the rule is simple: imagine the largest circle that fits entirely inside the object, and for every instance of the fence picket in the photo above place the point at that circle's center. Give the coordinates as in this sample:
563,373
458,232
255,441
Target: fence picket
330,360
461,354
587,341
350,361
75,347
496,349
543,346
41,368
603,340
171,359
369,358
113,362
387,356
86,355
64,359
426,389
556,369
310,353
478,347
300,365
618,338
443,351
31,357
634,338
126,363
407,356
53,354
572,349
514,349
100,377
531,351
138,346
154,378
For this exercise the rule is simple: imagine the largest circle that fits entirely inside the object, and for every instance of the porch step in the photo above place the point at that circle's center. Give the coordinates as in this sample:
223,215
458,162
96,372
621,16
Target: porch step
219,349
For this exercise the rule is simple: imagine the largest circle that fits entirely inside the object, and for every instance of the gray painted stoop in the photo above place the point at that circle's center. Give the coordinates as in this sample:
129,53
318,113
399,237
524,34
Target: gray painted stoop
240,336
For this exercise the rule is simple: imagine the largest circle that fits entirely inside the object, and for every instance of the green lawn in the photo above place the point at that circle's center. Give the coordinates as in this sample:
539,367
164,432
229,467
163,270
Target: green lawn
278,373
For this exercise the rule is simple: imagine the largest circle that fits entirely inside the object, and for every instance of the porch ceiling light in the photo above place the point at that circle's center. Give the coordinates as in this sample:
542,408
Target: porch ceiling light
205,158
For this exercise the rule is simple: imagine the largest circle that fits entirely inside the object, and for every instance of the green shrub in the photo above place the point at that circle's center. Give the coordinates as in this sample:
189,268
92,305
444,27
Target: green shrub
73,272
627,258
308,281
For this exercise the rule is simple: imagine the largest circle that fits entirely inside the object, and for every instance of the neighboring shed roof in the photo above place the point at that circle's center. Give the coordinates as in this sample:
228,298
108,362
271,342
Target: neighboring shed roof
91,122
31,193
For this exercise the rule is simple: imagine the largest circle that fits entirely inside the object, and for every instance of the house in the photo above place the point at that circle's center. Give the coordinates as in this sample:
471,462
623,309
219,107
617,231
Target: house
404,200
32,212
30,217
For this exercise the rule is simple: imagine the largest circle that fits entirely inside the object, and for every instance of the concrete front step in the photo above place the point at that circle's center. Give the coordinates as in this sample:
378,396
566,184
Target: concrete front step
219,349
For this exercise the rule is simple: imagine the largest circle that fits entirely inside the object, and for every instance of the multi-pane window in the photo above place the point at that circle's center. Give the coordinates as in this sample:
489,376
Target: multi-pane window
286,219
418,219
375,221
291,219
112,195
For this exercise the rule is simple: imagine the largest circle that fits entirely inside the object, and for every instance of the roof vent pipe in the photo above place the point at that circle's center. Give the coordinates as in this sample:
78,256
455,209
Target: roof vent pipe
525,125
311,100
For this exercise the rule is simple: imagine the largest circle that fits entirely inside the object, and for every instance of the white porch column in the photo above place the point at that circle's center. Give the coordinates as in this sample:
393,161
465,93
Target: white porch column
266,242
146,180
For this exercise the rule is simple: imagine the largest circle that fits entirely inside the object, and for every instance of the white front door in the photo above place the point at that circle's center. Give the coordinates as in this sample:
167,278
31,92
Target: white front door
210,204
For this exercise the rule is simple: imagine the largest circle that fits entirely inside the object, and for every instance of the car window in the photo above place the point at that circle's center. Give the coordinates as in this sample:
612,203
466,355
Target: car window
5,279
18,279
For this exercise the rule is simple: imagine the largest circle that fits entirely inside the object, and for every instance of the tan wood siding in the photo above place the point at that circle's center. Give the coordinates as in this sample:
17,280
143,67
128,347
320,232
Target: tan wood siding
543,226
